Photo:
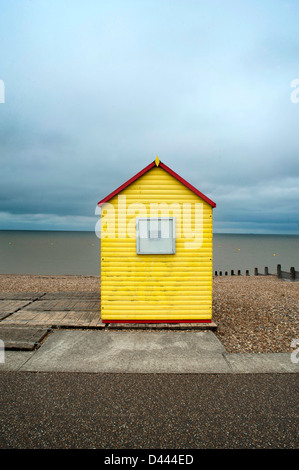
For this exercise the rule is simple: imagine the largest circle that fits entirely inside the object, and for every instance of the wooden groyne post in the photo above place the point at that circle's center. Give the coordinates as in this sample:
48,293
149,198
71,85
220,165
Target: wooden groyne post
291,275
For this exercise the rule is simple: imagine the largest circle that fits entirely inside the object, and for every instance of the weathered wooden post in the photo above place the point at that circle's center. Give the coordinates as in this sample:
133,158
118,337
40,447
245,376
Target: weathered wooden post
247,272
239,272
256,272
292,274
266,271
279,271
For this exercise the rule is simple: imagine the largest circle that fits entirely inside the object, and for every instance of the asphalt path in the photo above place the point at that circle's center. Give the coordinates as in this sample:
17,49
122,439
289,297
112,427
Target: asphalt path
148,411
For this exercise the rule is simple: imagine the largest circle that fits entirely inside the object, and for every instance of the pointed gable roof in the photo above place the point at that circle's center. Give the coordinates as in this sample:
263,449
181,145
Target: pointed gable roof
157,163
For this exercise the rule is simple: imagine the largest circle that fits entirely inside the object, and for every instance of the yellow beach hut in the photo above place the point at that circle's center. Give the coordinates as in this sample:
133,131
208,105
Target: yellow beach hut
156,250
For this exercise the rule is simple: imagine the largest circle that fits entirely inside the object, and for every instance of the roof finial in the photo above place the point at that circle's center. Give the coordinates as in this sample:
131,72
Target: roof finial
157,161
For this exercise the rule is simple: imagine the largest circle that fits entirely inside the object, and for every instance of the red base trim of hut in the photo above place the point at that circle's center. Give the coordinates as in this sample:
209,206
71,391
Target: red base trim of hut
156,321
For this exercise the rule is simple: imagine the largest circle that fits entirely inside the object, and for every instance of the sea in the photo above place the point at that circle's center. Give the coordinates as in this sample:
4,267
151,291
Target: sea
78,253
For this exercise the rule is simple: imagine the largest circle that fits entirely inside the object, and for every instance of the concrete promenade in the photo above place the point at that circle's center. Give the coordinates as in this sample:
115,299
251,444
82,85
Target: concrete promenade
142,351
63,332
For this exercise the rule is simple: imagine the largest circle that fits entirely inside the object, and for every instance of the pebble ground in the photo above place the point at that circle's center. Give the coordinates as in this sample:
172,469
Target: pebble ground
256,314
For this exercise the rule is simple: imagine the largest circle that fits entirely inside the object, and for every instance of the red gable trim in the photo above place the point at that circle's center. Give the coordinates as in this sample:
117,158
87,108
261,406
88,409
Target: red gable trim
145,170
123,186
188,185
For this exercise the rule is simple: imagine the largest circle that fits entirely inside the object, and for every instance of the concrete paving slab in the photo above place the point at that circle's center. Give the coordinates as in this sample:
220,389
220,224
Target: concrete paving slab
129,352
13,360
261,363
22,338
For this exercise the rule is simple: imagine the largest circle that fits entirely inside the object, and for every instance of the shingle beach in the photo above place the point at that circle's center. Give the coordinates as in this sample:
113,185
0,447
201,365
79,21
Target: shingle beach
253,314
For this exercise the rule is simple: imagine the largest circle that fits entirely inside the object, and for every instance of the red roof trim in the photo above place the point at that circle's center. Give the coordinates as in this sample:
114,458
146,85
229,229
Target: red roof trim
145,170
123,186
188,185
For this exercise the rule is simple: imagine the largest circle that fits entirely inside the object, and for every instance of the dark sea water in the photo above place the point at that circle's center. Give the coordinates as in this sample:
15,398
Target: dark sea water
34,252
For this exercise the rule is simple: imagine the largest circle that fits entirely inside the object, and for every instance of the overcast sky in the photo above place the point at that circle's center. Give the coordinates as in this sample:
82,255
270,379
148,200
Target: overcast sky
94,90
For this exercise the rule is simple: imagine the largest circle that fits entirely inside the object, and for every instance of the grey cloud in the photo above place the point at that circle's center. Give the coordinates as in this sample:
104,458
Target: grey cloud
204,86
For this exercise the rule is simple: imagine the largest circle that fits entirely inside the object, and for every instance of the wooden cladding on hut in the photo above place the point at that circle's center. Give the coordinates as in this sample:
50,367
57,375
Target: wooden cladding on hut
152,268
